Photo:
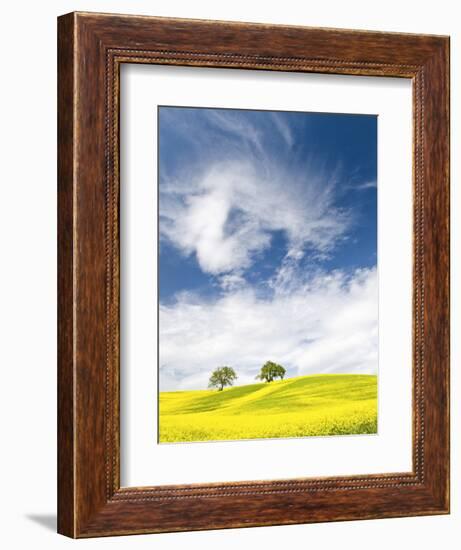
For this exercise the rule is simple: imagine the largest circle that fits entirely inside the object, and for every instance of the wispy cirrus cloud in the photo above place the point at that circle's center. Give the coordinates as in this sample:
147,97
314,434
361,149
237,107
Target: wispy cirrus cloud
371,184
225,208
234,207
283,128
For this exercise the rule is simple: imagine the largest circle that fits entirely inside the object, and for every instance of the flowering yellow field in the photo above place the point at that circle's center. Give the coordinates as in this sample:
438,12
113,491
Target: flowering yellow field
315,405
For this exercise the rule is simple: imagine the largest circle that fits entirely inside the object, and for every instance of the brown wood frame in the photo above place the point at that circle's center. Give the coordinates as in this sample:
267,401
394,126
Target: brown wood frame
91,49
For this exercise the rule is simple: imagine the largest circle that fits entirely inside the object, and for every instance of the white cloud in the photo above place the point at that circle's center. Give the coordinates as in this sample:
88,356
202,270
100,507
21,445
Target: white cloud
328,323
233,123
283,128
231,281
243,185
225,214
372,184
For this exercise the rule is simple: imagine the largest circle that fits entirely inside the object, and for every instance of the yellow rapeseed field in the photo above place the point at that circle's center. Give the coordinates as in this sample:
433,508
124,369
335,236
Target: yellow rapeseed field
315,405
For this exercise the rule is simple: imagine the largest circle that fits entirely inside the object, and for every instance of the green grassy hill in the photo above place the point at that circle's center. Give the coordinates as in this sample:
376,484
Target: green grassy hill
326,404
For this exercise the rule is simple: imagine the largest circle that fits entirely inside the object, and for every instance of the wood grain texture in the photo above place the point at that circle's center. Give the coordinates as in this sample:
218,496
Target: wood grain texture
91,49
66,463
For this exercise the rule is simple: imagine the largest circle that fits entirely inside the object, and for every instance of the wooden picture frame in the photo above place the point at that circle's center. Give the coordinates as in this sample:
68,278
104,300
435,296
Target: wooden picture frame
91,48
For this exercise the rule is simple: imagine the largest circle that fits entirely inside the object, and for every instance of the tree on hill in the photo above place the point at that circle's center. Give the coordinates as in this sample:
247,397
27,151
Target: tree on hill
222,376
271,370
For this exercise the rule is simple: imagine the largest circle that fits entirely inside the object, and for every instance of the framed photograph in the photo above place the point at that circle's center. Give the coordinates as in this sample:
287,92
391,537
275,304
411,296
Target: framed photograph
253,275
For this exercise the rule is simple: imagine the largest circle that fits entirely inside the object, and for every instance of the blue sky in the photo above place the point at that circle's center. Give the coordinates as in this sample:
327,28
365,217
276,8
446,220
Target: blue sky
262,211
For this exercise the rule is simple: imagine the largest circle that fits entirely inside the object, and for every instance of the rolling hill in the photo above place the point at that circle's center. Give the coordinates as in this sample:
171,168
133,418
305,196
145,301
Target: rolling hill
314,405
